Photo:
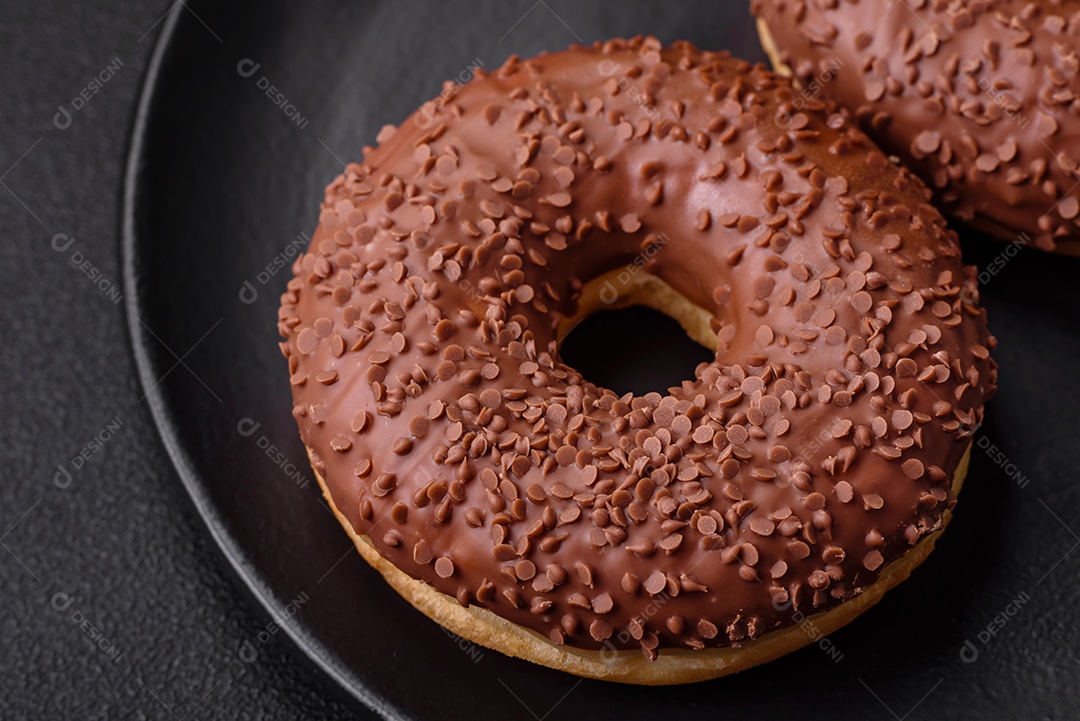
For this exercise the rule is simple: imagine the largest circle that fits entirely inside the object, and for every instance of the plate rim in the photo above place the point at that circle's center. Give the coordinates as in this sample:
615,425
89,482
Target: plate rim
132,209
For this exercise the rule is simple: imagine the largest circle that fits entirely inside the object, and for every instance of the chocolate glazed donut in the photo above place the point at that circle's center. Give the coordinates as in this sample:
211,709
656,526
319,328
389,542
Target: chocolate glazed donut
660,538
981,98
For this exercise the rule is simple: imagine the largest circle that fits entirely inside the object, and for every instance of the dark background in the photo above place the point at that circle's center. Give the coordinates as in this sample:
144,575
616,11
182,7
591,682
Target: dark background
122,539
117,552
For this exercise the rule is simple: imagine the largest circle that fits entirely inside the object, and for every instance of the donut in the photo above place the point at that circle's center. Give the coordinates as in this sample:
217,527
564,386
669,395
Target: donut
981,98
660,538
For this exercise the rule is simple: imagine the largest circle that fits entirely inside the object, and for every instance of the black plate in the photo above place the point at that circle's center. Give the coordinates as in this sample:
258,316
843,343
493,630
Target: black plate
224,177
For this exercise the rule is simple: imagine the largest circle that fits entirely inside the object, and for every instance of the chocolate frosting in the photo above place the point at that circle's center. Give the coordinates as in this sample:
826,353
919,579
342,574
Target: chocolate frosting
980,97
420,329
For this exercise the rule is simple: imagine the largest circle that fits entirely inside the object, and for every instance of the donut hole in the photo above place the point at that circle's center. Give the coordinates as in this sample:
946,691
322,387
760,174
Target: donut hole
636,336
653,351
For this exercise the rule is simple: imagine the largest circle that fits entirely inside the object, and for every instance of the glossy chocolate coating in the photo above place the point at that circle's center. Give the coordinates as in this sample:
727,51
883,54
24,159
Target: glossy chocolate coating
851,371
